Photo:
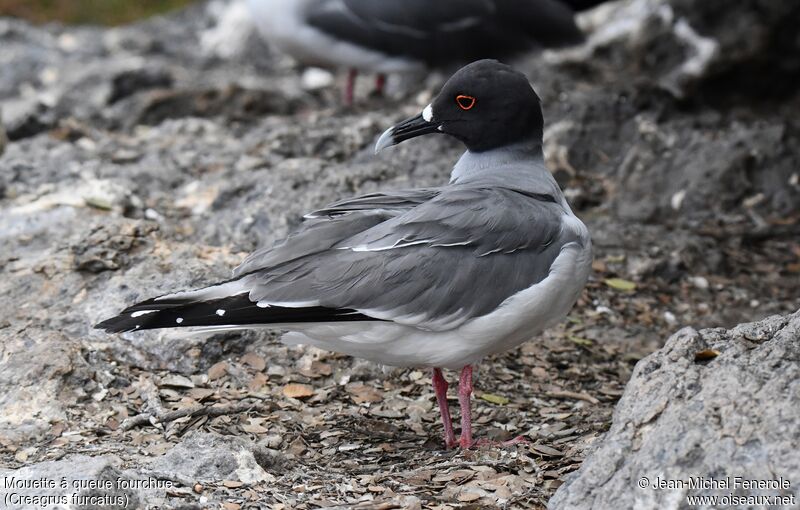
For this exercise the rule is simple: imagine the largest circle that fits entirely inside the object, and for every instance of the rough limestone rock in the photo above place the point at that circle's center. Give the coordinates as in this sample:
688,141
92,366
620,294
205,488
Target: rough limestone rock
39,375
209,457
714,403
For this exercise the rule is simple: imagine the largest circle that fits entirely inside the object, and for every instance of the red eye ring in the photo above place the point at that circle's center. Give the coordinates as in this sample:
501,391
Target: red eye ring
465,102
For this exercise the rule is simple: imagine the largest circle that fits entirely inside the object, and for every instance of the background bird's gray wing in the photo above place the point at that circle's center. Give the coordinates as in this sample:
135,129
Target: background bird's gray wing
423,267
444,31
549,23
328,226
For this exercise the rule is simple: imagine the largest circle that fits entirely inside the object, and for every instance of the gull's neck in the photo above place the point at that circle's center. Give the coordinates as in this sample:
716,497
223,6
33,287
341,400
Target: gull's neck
472,165
517,166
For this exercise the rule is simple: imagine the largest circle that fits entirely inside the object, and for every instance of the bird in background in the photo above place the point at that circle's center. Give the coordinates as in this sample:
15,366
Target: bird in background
407,36
436,277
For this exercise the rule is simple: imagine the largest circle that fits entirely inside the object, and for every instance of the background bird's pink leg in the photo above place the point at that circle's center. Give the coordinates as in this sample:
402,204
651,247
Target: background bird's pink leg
440,387
350,87
464,395
380,84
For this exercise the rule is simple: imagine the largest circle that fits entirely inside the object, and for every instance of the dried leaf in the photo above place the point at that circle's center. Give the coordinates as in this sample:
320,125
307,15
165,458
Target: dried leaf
57,429
320,368
546,450
254,361
466,497
176,381
361,393
316,369
494,399
295,390
200,394
99,203
217,370
620,284
257,382
585,342
232,484
254,426
158,449
539,372
297,447
705,355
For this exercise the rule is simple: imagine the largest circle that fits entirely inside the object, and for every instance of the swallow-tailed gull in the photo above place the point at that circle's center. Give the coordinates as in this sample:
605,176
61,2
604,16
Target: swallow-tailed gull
436,277
388,36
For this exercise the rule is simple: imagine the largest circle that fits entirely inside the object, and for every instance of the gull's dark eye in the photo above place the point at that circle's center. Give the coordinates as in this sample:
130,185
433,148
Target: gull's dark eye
465,102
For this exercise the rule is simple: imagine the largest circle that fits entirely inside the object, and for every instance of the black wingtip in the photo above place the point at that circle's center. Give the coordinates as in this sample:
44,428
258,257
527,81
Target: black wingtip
120,324
230,311
114,325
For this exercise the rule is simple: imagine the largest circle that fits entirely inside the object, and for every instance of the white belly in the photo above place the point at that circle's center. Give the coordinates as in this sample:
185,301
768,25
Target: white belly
518,319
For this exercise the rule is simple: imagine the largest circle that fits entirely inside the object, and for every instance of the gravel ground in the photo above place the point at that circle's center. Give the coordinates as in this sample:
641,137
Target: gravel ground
149,158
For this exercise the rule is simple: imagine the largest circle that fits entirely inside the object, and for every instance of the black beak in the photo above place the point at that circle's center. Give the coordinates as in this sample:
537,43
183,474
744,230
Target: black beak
409,128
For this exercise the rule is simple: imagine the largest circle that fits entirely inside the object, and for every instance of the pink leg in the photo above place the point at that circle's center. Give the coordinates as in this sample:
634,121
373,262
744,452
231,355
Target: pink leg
440,387
350,87
464,395
380,84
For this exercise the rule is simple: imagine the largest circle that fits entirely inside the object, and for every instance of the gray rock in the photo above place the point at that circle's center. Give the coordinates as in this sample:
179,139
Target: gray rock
714,403
204,457
39,372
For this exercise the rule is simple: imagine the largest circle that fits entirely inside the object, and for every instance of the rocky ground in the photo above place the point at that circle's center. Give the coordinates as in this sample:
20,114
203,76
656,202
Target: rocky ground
153,157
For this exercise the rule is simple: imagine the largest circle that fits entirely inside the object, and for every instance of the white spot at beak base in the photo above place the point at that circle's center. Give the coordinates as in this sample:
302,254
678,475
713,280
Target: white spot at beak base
427,113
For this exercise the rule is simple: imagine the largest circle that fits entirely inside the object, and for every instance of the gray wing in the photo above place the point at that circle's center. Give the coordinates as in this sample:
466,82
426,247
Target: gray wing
423,267
328,226
389,203
443,31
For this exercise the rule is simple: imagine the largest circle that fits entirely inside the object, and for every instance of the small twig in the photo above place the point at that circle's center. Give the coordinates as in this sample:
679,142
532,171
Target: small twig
210,411
150,396
573,395
135,421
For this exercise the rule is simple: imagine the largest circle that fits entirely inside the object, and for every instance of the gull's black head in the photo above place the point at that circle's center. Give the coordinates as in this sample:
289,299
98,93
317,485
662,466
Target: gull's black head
485,104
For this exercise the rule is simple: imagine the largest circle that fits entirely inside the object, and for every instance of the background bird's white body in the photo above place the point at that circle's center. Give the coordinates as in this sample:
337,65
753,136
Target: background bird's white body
282,23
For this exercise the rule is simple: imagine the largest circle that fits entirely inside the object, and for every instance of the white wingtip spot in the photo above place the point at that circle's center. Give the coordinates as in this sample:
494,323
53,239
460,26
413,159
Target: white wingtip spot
179,320
427,113
142,312
262,304
220,312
